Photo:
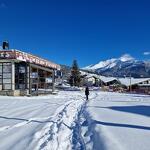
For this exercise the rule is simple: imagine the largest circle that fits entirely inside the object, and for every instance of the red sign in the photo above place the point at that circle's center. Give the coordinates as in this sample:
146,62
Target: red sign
22,56
7,55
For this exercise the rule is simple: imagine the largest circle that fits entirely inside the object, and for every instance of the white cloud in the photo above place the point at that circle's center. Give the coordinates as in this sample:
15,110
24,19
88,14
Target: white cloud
146,53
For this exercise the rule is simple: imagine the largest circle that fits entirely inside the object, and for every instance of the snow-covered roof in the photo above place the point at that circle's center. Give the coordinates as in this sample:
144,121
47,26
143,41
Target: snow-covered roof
83,73
89,74
103,78
144,85
107,79
132,81
124,81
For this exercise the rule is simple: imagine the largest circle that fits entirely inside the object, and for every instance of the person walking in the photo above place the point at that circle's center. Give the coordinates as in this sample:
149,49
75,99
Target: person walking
87,92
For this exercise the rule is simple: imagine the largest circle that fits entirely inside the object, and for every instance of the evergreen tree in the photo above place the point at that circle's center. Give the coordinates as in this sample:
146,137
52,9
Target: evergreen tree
75,75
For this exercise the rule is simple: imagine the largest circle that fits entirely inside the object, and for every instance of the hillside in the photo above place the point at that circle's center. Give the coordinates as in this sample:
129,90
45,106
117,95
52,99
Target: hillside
120,67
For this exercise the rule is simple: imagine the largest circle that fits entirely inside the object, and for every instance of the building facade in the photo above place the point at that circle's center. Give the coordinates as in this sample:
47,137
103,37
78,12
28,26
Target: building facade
22,73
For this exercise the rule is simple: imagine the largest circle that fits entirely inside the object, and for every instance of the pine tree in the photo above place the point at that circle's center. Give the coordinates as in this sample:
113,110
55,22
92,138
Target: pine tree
75,75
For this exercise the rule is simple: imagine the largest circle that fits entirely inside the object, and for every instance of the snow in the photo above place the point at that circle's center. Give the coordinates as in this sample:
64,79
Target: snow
107,79
103,78
132,81
33,121
124,81
110,63
108,121
126,57
120,121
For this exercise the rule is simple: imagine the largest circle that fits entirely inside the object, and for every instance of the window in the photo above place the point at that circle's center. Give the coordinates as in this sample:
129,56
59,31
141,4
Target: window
6,86
7,67
20,75
5,76
0,68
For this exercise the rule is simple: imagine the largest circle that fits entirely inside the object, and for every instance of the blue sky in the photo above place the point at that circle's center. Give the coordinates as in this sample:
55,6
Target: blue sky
86,30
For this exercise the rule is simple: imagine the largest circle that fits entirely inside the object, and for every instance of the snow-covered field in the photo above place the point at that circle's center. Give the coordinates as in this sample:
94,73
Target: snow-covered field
117,122
108,121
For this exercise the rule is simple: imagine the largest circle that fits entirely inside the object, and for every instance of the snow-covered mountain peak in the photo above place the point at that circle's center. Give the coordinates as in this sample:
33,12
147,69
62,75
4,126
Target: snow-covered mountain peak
121,66
110,63
103,64
126,57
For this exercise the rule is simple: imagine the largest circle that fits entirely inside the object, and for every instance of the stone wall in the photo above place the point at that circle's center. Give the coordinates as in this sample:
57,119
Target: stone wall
14,92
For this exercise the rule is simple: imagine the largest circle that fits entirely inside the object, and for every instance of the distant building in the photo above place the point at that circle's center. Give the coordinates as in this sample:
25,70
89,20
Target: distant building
139,85
22,73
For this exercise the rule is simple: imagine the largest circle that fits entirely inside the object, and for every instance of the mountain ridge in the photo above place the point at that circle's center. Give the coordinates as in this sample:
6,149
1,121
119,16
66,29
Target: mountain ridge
125,65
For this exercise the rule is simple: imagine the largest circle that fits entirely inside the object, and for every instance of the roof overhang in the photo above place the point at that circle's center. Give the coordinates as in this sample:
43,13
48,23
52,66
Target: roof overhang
26,57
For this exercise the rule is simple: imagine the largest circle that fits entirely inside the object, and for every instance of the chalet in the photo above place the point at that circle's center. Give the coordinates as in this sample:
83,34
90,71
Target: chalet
108,81
139,85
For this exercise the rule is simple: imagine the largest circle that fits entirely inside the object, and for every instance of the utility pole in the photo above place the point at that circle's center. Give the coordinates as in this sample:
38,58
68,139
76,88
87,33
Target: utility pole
130,84
53,81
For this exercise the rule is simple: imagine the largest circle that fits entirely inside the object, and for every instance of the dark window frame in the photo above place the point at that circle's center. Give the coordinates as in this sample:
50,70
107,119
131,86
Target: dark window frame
4,72
19,77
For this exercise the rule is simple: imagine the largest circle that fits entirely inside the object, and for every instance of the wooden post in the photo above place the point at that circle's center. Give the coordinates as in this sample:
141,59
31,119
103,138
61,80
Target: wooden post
28,78
53,81
130,84
13,76
37,85
29,75
45,76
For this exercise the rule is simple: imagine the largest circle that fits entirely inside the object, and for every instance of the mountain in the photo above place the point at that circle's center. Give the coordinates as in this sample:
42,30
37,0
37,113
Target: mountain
126,65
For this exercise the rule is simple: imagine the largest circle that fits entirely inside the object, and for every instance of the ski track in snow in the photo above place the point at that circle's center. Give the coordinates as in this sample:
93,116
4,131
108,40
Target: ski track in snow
79,139
58,133
64,130
31,120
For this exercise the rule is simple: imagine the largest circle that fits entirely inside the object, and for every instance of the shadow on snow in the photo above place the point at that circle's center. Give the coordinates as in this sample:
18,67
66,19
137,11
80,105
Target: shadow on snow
21,119
139,109
120,125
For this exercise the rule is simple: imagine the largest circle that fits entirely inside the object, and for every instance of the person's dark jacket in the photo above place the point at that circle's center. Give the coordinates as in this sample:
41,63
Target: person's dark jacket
87,91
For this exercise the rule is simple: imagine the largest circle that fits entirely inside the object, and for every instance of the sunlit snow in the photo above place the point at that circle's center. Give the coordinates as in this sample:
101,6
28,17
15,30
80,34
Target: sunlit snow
108,121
